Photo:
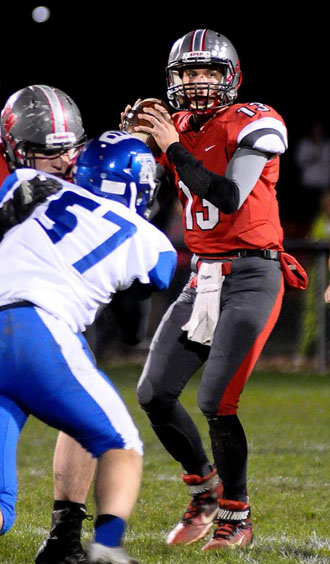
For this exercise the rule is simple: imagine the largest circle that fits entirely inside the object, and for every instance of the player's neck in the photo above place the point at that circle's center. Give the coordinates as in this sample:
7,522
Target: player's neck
198,120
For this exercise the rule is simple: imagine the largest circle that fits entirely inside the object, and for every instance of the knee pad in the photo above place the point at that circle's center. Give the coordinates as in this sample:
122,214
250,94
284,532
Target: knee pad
211,406
144,393
151,400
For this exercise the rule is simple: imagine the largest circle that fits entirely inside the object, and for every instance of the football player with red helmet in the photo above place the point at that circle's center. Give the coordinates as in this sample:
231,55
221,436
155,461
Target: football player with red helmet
224,158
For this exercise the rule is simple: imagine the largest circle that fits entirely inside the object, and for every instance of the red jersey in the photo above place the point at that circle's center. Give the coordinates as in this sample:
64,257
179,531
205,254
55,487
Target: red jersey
4,172
256,224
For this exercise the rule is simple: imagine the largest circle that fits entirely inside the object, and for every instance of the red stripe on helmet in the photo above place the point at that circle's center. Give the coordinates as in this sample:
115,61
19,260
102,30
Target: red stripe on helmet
65,120
198,40
203,40
44,91
191,48
57,111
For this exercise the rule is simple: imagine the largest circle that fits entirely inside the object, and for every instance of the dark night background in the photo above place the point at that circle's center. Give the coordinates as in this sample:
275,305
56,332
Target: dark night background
105,55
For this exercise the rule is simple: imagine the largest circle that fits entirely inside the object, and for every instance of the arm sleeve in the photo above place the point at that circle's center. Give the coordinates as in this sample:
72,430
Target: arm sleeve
244,168
228,192
220,191
163,271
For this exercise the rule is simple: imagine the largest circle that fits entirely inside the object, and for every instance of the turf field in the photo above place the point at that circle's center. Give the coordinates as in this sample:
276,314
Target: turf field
287,420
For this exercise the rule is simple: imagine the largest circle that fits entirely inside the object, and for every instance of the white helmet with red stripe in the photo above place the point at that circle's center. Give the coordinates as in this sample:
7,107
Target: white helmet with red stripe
203,48
41,119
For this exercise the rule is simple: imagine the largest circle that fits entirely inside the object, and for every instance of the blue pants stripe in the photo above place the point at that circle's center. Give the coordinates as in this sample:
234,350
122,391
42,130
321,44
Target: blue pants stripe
46,370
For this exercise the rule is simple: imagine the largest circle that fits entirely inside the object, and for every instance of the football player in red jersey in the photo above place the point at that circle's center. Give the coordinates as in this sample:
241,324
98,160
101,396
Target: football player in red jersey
224,157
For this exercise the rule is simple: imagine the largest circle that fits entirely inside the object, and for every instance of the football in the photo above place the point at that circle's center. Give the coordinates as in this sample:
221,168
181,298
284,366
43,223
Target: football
132,120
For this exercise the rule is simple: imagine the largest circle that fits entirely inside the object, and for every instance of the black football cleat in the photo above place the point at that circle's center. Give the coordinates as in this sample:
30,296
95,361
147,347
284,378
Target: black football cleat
63,545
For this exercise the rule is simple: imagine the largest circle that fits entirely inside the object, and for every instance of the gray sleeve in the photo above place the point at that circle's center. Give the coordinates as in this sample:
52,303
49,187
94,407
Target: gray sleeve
244,168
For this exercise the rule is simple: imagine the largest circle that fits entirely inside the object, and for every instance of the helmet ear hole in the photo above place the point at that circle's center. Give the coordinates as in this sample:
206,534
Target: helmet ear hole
129,163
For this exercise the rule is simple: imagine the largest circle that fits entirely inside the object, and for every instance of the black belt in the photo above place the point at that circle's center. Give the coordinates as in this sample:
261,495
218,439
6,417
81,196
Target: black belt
263,253
23,303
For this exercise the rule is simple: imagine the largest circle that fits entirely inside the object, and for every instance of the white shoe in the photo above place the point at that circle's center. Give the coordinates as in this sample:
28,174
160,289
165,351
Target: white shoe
101,554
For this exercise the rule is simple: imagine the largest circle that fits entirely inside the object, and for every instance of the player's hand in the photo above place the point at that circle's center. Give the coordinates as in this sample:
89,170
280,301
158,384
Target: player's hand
32,192
327,295
161,126
26,197
125,112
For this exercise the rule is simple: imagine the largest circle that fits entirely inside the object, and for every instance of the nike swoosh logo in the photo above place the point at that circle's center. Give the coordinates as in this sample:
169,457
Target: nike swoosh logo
208,148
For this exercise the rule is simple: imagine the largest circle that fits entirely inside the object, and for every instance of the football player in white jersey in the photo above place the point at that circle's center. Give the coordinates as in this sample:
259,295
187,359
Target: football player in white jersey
60,267
41,127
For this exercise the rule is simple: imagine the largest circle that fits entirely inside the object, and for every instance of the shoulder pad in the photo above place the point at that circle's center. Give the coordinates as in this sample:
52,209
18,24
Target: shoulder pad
267,134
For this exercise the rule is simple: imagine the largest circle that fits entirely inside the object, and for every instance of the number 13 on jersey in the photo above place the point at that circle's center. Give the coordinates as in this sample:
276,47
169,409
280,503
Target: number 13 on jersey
206,219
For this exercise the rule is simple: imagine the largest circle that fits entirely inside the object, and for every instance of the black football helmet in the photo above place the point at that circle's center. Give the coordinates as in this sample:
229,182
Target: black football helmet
39,119
199,49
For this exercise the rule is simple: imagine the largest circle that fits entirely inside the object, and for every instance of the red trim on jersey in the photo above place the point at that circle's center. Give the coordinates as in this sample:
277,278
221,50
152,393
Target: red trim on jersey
4,172
229,401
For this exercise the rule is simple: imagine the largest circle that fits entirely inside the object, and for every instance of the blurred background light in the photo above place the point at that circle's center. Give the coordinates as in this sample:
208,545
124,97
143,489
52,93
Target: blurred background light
40,14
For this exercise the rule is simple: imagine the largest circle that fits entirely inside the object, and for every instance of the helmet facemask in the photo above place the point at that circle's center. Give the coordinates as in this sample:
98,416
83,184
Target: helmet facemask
26,155
187,95
146,195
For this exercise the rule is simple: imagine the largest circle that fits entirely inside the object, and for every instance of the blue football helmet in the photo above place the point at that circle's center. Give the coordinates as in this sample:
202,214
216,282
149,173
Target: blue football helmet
120,167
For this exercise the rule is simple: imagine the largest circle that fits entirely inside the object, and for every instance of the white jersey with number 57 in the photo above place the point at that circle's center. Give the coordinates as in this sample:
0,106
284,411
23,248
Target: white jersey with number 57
76,250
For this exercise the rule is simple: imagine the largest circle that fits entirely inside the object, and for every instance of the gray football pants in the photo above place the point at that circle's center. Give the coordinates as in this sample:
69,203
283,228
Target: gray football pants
250,305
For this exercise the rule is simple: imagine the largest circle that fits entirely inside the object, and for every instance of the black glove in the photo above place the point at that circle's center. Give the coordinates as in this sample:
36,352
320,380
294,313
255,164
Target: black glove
26,197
